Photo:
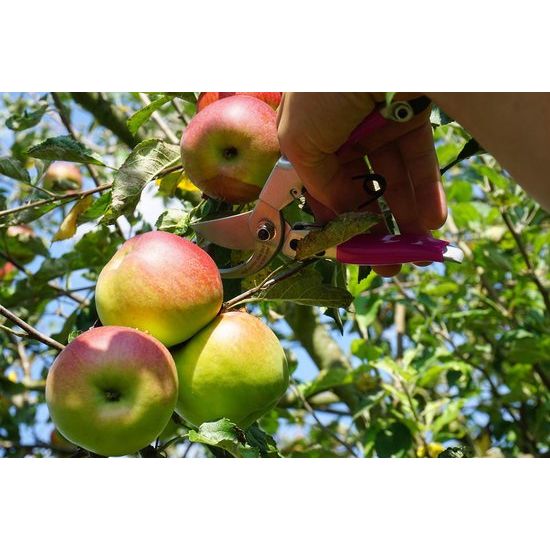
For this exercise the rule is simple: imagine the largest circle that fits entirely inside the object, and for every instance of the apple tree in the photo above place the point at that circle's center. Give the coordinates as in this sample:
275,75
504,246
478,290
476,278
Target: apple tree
449,360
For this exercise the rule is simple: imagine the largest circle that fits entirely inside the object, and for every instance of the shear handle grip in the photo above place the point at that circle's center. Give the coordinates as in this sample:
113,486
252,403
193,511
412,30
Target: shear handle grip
369,249
373,122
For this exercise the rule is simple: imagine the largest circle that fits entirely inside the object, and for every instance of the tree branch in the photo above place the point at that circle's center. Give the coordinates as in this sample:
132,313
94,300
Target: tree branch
31,331
324,352
65,199
107,116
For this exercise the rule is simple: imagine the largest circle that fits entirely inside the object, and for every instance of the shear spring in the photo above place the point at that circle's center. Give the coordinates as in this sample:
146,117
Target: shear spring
373,185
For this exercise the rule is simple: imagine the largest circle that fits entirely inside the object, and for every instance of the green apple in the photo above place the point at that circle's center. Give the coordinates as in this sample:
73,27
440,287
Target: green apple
234,368
161,284
112,390
230,147
63,176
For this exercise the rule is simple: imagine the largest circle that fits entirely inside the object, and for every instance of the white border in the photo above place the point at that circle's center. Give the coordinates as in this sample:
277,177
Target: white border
327,45
294,504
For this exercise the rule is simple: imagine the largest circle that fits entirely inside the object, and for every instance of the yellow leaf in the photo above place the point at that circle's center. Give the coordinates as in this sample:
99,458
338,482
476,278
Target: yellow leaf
433,450
185,184
68,226
176,180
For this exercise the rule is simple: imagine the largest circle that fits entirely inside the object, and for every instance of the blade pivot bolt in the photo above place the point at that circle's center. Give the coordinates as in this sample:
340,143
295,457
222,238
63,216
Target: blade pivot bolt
265,231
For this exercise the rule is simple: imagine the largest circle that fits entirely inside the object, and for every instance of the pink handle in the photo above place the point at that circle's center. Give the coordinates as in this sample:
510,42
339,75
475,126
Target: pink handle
390,249
374,121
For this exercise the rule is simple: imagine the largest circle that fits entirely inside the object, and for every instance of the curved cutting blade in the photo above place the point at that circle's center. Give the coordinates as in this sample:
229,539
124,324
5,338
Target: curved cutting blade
232,232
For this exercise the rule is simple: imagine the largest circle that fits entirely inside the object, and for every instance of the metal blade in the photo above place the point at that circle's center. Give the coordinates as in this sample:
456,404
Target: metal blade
231,232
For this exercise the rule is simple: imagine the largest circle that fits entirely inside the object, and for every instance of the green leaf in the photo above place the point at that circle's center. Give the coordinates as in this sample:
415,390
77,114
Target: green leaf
359,278
456,452
64,148
459,191
186,96
443,288
366,310
91,252
140,117
523,346
327,379
14,169
307,288
451,412
364,349
174,220
471,148
144,163
97,208
339,230
438,117
26,119
394,439
260,440
224,434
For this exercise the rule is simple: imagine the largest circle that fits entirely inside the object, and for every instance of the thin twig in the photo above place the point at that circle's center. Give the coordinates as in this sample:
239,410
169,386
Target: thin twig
167,171
310,410
31,331
70,294
69,197
530,270
171,442
265,284
177,108
161,123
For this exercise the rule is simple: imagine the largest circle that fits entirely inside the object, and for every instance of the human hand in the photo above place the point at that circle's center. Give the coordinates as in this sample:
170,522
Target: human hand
314,126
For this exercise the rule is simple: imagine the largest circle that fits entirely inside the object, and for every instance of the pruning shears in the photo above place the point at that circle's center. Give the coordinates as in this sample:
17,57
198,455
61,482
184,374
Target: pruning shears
265,232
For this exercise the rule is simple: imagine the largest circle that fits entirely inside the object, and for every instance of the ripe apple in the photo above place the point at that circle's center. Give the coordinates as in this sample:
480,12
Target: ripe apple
206,98
62,176
161,284
230,147
234,368
112,390
6,269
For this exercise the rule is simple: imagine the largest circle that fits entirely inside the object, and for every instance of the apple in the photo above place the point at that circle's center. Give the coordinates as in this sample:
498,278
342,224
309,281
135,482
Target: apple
206,98
234,368
161,284
230,147
6,269
20,244
112,390
20,231
63,176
